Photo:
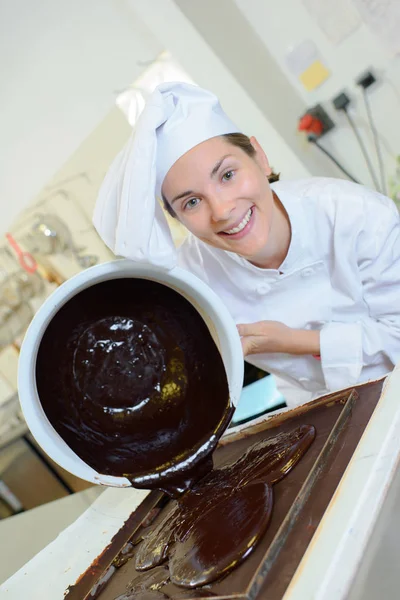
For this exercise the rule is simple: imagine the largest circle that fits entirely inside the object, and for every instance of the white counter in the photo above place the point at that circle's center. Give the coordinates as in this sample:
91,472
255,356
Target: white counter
26,534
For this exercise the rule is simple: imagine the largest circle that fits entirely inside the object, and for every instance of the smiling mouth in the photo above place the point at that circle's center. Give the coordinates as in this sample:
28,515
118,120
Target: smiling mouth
241,225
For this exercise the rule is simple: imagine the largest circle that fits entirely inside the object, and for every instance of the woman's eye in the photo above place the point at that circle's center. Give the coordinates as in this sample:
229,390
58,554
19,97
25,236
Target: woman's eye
191,203
228,175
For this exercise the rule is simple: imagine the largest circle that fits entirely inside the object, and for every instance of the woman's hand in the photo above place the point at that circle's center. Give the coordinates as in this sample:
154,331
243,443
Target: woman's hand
272,336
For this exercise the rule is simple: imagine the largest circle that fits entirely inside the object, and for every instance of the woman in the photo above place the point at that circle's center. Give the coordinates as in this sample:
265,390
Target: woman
308,269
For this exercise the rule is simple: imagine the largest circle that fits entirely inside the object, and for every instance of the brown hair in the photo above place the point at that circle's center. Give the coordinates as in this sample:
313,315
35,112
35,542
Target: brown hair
240,140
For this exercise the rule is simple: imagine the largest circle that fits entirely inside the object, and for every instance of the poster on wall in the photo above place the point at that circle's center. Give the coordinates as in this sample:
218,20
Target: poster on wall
383,18
336,19
307,65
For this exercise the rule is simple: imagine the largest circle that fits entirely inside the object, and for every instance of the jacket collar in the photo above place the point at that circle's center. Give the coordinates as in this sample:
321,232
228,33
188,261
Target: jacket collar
300,234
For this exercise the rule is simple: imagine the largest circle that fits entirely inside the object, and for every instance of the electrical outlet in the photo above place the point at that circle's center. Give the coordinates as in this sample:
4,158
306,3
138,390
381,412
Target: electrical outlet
320,113
366,79
341,101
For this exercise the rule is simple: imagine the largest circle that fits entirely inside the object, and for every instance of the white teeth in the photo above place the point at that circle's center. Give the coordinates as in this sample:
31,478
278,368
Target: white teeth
242,224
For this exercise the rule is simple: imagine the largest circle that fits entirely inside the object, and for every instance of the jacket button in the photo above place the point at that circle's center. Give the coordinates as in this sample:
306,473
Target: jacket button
307,272
263,288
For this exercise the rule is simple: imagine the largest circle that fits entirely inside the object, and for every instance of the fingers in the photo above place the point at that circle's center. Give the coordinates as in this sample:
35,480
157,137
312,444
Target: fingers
251,328
250,345
268,336
251,337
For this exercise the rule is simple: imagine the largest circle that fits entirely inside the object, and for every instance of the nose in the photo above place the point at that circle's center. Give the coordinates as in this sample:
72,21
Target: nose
221,207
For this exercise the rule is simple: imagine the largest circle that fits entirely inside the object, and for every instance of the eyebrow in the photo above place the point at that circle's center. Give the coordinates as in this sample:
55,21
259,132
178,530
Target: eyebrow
219,163
187,193
213,172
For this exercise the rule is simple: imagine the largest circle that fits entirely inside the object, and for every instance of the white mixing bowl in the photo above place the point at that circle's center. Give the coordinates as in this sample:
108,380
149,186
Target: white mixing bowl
208,304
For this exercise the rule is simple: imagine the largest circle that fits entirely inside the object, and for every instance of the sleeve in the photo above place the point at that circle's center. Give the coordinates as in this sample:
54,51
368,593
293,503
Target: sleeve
348,347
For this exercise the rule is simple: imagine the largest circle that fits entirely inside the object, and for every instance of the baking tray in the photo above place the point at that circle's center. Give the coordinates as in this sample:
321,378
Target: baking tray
300,501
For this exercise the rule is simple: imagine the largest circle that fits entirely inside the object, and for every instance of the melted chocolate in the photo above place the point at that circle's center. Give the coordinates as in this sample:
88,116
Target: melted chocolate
147,587
129,376
199,593
215,525
264,568
144,596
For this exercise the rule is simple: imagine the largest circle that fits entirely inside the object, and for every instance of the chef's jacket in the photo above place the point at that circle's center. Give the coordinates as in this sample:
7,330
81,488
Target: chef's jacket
341,276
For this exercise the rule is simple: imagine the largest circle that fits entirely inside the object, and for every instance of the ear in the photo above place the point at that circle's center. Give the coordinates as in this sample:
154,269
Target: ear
261,157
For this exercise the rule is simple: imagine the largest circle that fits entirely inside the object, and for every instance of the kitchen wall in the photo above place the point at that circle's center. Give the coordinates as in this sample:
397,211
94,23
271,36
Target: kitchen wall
282,25
62,65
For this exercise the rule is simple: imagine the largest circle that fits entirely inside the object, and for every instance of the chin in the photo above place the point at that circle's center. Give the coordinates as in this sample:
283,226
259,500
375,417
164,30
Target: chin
251,251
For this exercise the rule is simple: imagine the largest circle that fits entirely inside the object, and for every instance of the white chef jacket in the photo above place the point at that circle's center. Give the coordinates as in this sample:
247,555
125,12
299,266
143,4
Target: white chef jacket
341,276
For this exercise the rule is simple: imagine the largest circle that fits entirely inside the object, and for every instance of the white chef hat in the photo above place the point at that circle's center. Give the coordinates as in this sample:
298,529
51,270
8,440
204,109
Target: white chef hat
127,215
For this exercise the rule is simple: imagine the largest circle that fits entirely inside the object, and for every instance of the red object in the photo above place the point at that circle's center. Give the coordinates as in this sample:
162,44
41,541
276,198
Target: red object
25,259
310,124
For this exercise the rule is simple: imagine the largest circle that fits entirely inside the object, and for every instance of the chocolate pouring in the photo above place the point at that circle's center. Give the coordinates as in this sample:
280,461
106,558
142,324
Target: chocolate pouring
216,524
300,500
129,376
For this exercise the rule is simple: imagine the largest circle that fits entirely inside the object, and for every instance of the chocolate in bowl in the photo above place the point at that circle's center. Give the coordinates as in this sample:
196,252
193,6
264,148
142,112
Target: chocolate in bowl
129,376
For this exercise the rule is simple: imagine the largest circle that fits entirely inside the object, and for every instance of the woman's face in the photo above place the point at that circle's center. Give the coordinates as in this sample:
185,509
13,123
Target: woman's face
222,196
